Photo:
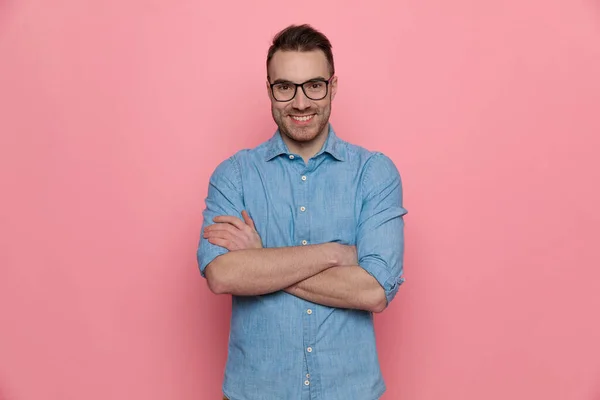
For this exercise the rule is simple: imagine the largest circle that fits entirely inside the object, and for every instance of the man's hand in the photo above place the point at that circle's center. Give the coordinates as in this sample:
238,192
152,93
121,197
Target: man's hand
232,233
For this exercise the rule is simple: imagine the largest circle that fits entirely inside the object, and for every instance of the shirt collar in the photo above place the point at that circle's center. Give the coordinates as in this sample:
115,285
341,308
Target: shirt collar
333,146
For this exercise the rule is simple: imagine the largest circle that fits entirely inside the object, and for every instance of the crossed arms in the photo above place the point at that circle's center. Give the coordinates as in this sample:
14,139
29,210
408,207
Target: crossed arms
327,274
364,277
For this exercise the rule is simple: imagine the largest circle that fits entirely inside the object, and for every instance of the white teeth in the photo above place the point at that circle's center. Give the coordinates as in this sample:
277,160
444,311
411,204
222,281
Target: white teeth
303,119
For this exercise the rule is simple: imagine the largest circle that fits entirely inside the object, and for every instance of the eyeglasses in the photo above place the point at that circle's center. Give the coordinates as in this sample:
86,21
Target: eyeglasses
314,89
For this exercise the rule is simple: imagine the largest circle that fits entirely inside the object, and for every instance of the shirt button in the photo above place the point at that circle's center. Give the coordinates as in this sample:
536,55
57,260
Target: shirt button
306,382
304,243
291,156
309,311
308,375
309,349
302,208
303,177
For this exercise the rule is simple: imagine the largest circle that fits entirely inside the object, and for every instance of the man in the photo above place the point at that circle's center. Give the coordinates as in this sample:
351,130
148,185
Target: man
305,232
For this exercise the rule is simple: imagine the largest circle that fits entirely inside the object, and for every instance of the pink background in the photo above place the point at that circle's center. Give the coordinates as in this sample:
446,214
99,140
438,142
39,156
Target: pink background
114,113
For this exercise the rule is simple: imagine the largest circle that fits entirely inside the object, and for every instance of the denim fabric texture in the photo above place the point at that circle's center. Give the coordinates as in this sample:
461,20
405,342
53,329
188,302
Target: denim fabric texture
281,346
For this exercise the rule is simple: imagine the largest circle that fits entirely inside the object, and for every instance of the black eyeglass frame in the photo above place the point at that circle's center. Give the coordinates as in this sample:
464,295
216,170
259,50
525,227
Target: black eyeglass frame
325,81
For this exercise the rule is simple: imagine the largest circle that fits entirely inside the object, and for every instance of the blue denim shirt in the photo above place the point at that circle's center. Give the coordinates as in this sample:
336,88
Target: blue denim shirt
282,347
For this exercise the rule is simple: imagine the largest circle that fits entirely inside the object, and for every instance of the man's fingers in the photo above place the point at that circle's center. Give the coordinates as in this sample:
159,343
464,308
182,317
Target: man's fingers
238,223
224,239
221,234
248,220
222,227
221,243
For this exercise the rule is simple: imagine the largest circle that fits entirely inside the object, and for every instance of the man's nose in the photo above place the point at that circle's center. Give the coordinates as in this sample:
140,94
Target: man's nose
300,102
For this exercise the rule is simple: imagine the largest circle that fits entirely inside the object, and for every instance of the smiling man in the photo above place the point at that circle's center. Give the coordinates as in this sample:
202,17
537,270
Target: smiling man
306,233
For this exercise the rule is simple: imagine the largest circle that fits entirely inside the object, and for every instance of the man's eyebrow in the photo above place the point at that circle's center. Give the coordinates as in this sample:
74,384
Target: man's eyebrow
318,78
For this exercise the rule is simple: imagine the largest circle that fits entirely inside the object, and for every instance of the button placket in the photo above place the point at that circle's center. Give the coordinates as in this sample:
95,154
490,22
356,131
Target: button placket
304,222
302,204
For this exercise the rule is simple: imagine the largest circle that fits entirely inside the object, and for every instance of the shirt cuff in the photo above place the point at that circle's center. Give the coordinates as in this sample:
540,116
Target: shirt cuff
380,271
206,254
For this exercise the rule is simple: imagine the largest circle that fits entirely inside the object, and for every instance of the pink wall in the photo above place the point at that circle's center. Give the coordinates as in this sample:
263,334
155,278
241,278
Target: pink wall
114,114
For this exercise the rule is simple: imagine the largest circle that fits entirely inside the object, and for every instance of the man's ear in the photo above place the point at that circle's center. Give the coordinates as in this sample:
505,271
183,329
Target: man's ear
268,86
269,92
333,86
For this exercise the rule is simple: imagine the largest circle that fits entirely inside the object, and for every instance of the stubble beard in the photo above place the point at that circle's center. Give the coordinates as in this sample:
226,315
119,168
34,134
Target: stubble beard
303,134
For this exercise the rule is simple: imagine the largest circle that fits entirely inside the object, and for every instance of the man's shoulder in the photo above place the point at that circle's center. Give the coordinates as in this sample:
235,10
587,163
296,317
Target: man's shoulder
232,163
368,158
249,153
356,150
376,166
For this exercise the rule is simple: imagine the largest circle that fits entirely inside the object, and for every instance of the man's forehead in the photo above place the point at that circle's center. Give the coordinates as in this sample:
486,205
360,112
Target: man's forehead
298,65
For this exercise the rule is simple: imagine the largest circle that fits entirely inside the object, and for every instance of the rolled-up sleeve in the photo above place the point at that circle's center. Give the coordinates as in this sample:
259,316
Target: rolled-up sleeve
225,197
380,234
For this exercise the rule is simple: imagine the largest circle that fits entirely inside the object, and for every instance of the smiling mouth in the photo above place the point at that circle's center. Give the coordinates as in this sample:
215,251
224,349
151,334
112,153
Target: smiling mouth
302,118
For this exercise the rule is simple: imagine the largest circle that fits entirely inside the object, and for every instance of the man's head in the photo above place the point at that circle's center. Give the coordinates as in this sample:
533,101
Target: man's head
301,55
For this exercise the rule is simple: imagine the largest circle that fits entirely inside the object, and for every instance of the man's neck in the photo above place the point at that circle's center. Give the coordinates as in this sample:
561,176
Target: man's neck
309,149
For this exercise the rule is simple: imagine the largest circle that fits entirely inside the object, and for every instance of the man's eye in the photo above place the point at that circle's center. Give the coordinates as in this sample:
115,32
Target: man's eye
283,87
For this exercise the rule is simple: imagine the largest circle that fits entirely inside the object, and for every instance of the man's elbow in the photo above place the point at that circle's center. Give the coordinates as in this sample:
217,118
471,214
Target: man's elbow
378,301
215,278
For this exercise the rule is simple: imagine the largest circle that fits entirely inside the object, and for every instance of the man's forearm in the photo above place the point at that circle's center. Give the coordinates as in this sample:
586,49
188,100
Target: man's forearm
342,287
261,271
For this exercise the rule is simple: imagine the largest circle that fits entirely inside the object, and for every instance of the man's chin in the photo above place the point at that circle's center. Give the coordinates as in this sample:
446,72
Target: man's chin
302,134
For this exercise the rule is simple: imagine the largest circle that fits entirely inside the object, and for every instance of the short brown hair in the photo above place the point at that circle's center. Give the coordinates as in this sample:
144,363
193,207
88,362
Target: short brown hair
301,38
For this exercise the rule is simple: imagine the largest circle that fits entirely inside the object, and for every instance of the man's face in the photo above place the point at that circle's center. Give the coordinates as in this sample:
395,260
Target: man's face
301,119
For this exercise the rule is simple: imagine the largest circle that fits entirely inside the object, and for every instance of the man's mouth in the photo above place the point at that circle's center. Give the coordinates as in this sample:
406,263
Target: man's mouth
302,118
